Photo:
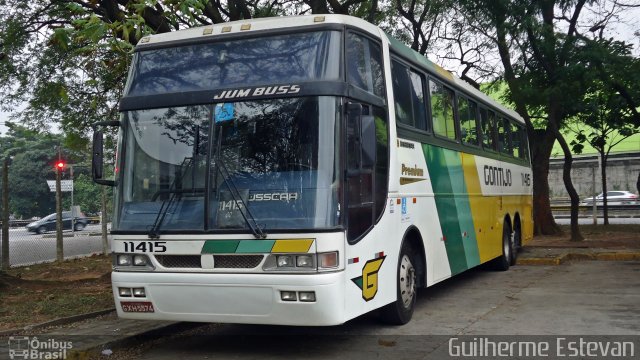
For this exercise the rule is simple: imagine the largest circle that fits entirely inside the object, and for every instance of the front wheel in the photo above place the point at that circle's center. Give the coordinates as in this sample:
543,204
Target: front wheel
400,311
78,227
41,230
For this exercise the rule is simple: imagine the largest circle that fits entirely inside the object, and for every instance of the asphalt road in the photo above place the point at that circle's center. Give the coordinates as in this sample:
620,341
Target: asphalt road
583,298
27,248
589,221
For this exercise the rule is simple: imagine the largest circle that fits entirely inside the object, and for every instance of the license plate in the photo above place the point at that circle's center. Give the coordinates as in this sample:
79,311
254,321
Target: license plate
137,306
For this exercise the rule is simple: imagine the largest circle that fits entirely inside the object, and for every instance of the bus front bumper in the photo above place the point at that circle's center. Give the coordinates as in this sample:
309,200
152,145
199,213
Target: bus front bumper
231,298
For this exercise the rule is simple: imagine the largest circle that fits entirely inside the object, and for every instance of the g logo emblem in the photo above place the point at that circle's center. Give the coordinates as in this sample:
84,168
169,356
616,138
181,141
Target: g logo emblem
368,282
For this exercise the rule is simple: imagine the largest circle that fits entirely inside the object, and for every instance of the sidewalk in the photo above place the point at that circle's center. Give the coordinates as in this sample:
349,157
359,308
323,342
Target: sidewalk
556,250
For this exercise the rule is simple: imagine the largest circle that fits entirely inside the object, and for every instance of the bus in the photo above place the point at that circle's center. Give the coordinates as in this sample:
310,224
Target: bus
304,171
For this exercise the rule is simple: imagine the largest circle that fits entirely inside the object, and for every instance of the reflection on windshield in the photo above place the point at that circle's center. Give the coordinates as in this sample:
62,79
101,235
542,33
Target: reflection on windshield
280,156
266,60
165,155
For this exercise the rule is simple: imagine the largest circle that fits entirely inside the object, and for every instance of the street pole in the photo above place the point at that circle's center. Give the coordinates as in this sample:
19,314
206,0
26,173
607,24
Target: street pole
5,214
593,191
59,240
103,222
73,210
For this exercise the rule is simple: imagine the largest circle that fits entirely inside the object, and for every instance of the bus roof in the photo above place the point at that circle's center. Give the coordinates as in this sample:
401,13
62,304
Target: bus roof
274,23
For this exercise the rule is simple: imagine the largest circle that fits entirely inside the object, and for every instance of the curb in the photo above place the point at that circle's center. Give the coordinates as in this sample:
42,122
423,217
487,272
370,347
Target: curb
561,259
59,321
130,340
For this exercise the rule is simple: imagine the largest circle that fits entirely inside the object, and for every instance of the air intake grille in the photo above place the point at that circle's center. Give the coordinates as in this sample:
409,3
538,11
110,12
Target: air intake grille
179,261
236,261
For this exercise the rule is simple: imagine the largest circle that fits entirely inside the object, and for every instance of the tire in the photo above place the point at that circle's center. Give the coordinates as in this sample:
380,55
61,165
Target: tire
78,227
41,230
515,244
502,262
400,311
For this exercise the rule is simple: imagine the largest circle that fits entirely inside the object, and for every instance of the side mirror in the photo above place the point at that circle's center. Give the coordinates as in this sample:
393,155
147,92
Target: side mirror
97,161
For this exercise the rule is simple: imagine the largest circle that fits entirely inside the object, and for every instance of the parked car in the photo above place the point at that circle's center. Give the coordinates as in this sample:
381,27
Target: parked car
48,223
618,197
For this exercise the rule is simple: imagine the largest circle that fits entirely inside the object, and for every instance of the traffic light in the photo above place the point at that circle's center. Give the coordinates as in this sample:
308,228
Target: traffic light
60,165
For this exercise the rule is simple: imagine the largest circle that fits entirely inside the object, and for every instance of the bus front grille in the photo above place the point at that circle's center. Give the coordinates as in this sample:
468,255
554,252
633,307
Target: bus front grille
219,261
179,261
236,261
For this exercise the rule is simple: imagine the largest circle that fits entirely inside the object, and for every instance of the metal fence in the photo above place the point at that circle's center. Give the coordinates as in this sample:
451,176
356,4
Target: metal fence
27,248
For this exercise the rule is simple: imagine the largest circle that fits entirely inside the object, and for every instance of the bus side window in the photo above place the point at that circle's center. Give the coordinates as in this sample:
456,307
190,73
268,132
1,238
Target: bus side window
408,96
364,64
516,139
442,110
504,141
487,121
467,111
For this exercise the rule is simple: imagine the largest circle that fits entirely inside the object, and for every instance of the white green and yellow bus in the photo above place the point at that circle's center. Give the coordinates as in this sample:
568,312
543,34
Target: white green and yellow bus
304,171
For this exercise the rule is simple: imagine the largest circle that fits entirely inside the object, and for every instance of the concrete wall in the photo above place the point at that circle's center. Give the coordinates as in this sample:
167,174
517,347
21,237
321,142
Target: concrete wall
622,174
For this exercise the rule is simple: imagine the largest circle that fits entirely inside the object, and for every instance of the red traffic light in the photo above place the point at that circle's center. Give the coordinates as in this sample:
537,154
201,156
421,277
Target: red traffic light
60,165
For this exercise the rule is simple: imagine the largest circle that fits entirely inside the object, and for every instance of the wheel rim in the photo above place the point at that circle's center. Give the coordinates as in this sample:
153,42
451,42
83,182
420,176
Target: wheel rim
407,281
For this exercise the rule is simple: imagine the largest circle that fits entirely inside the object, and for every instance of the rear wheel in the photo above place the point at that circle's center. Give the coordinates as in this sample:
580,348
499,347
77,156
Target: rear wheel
516,243
78,226
502,262
41,230
400,311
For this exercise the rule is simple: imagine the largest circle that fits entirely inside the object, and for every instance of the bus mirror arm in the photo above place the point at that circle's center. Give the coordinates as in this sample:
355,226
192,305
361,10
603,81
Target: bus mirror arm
97,161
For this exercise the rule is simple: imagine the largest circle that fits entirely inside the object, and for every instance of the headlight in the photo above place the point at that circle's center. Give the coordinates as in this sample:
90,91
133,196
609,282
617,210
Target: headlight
304,261
124,260
285,261
140,260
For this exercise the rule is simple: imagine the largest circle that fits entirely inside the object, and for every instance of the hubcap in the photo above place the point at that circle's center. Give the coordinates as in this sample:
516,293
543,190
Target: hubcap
407,281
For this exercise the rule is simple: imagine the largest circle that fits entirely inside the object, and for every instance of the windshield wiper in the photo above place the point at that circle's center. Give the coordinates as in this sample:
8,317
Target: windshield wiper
154,232
237,198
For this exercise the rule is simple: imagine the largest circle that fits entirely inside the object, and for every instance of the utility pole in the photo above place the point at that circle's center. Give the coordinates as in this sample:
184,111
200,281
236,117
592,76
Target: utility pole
103,222
5,214
59,239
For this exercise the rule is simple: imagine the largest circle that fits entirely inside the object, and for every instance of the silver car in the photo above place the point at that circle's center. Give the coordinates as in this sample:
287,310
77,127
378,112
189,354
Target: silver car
617,197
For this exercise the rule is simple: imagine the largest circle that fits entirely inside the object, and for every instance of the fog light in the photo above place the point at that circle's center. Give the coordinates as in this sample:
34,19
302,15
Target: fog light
307,296
288,295
304,261
139,292
140,260
124,260
328,260
285,261
124,292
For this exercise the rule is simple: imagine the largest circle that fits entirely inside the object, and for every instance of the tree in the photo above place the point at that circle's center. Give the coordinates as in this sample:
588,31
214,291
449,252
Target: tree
606,118
549,63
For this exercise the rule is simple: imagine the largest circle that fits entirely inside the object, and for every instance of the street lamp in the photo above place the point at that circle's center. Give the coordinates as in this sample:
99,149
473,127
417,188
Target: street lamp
5,213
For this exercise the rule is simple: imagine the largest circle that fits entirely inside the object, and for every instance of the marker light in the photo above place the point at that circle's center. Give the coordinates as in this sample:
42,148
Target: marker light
328,260
307,296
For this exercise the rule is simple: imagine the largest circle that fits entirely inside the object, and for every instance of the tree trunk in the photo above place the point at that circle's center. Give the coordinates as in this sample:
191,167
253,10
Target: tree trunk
568,184
603,173
542,144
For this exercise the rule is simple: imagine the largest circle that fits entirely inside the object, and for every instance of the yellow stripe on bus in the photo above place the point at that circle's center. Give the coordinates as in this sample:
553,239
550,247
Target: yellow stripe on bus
292,246
483,209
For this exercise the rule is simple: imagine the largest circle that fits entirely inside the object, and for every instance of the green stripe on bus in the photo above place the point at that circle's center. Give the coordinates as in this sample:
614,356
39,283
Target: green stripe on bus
220,246
446,206
463,207
255,246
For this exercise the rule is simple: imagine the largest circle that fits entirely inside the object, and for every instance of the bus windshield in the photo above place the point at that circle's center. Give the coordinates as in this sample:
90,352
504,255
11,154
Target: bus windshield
195,167
307,56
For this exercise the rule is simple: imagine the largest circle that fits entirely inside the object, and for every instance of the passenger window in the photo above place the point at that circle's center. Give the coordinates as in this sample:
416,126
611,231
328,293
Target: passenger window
408,96
442,110
487,121
364,64
516,140
467,112
504,141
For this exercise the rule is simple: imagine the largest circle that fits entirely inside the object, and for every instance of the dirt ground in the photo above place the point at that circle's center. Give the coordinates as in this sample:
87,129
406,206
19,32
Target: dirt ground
39,293
35,294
